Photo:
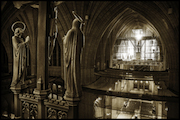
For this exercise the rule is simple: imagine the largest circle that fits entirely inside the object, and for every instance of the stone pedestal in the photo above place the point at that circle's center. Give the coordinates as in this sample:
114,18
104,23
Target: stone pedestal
17,102
73,107
41,95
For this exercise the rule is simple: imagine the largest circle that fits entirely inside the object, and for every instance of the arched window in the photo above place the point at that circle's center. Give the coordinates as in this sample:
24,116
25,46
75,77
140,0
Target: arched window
128,50
140,49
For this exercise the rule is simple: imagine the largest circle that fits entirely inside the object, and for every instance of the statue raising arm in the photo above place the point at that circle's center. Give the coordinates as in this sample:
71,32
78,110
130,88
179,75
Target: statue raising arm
19,55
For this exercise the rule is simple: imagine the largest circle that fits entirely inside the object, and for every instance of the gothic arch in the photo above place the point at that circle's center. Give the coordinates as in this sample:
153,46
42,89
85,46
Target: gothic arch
143,9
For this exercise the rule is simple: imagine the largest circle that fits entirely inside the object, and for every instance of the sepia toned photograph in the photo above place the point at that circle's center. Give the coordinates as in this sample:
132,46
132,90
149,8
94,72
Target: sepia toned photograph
89,60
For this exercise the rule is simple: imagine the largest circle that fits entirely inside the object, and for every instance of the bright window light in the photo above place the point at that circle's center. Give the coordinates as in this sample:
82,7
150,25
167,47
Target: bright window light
138,36
138,33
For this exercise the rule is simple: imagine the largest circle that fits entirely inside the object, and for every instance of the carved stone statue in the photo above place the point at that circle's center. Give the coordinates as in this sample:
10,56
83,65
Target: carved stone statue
73,44
19,55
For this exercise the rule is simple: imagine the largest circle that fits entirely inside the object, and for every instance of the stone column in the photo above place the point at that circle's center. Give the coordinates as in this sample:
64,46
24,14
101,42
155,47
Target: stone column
41,94
42,42
73,108
42,56
17,101
33,57
159,115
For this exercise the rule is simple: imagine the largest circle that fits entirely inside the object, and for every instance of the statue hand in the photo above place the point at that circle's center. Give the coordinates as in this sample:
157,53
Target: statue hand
27,39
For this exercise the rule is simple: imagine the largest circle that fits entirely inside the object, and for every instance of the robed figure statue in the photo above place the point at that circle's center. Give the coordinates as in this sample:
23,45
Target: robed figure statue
19,55
73,45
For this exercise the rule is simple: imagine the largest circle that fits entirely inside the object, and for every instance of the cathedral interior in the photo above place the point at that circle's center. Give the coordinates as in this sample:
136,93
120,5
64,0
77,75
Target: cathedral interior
129,64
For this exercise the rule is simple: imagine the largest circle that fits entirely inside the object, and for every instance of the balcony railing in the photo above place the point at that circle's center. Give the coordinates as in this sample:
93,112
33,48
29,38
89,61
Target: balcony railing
55,106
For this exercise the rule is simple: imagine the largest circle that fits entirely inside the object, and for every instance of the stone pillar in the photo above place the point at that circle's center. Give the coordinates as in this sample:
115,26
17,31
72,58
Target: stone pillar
159,115
41,94
73,108
17,101
33,57
42,57
42,42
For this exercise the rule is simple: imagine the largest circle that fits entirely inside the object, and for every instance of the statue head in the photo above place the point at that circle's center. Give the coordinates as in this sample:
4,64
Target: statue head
77,21
18,32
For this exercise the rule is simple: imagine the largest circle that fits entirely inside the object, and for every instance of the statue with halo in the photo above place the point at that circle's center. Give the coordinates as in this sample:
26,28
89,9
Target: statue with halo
19,55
